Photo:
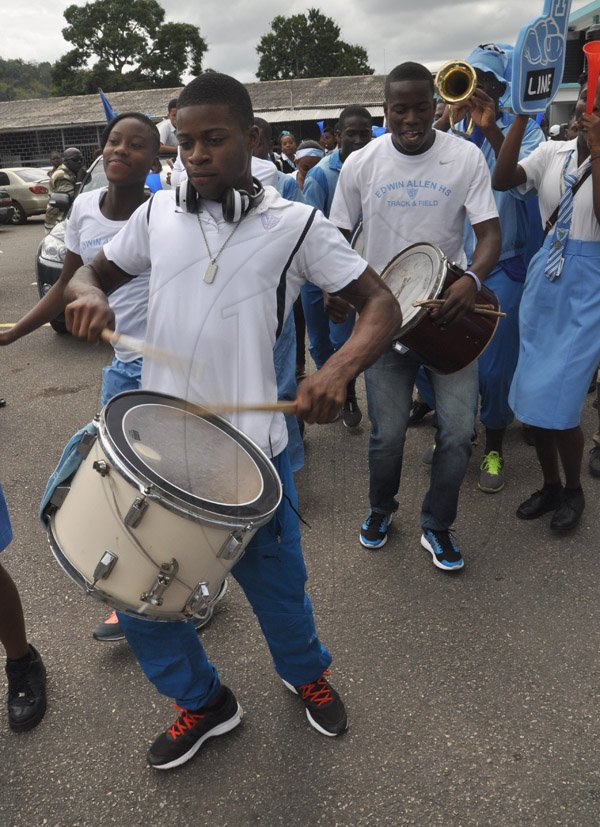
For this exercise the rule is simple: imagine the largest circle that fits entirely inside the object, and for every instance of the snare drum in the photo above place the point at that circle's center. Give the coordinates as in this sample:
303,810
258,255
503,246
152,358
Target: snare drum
162,507
419,272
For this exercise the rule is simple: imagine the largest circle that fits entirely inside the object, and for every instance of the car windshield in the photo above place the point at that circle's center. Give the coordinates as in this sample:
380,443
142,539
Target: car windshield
95,177
29,174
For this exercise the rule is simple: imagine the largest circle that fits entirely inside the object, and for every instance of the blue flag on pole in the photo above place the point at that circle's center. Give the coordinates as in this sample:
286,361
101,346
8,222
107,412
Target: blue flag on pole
108,110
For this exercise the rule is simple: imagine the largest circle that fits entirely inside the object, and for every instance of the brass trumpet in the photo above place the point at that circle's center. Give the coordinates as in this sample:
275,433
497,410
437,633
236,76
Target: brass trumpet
455,83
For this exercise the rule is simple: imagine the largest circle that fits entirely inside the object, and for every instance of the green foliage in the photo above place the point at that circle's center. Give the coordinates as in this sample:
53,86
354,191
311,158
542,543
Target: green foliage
308,46
20,80
120,46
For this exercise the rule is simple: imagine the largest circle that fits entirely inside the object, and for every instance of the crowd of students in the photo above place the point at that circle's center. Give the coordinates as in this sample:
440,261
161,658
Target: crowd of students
136,263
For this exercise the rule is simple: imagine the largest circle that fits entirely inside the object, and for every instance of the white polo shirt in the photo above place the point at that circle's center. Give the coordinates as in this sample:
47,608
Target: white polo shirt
168,133
544,170
222,333
405,199
87,232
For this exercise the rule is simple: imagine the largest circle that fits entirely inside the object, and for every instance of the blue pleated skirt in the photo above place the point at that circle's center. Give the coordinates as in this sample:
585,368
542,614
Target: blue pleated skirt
559,329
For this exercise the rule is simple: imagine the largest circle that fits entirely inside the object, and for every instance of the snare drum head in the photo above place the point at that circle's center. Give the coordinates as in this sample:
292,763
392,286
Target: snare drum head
414,274
201,461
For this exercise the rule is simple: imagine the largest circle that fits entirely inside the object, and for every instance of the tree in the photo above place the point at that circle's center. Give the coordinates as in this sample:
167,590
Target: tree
20,80
308,46
125,46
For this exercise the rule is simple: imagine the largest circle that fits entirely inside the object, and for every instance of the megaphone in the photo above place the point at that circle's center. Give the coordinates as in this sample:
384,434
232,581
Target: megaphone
591,49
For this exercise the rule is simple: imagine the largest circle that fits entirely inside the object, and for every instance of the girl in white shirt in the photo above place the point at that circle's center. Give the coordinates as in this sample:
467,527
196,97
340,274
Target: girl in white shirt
129,147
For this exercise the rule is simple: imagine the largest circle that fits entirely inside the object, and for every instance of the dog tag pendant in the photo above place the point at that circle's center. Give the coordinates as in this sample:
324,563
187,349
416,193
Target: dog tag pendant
210,272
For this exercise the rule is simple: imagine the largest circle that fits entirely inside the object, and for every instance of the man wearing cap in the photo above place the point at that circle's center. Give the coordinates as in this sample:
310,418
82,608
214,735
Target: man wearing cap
63,180
497,363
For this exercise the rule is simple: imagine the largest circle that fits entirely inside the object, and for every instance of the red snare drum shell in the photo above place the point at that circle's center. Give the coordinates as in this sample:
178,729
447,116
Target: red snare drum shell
419,272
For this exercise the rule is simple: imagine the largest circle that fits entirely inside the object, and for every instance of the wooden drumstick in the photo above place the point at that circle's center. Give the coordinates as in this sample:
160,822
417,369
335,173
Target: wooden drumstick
206,408
481,309
140,346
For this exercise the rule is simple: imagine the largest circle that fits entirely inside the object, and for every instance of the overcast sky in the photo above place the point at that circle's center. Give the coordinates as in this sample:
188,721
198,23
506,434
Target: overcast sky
390,30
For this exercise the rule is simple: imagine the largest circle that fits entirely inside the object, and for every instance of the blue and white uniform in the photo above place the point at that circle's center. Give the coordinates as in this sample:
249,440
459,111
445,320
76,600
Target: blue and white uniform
325,337
559,319
497,363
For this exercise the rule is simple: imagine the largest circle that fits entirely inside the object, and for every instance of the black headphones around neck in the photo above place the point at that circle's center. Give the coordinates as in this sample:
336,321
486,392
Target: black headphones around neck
235,203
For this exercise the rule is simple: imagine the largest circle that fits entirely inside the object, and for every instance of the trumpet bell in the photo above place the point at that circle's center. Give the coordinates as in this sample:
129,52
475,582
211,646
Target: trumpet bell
455,82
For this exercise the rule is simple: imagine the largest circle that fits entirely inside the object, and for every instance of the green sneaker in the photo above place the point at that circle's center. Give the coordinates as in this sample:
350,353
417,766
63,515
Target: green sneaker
491,478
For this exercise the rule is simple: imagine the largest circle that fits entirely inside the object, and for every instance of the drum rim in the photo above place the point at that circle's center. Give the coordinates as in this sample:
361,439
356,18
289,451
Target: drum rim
439,281
256,513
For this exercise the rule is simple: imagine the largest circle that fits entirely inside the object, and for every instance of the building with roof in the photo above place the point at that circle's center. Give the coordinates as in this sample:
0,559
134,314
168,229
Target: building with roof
30,129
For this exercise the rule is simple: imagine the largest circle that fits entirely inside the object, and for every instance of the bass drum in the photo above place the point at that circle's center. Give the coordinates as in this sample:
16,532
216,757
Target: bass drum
162,507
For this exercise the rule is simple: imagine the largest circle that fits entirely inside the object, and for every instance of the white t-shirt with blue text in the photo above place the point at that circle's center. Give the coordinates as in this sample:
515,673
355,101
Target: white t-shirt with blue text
408,199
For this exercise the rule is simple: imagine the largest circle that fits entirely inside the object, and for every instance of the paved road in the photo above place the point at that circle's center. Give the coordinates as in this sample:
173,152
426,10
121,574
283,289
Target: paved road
473,699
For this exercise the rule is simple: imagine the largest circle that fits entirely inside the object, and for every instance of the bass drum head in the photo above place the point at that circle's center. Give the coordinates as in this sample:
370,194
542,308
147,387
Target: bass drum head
417,273
200,461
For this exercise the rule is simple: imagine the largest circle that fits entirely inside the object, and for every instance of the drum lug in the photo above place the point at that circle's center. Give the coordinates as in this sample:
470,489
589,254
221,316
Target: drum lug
136,511
105,565
163,580
199,601
231,547
101,467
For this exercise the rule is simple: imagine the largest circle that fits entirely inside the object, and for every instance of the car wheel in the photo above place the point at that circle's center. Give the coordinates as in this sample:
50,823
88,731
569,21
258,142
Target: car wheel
58,324
19,216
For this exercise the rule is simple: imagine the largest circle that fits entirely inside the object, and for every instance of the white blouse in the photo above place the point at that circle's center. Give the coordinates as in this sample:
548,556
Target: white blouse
544,170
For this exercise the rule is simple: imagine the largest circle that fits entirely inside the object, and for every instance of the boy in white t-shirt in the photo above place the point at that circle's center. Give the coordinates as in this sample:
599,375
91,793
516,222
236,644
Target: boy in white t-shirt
419,185
227,262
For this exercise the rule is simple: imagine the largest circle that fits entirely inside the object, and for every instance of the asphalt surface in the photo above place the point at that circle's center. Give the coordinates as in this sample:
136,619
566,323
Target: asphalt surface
473,699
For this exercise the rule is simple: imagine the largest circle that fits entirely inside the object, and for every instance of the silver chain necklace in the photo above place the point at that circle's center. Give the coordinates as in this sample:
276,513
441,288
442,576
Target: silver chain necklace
211,270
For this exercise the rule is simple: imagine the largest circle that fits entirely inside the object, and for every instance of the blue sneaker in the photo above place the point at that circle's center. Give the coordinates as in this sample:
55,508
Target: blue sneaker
373,532
443,548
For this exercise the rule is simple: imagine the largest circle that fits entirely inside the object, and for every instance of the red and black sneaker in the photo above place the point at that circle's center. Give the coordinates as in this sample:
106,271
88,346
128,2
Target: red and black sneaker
324,708
192,728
